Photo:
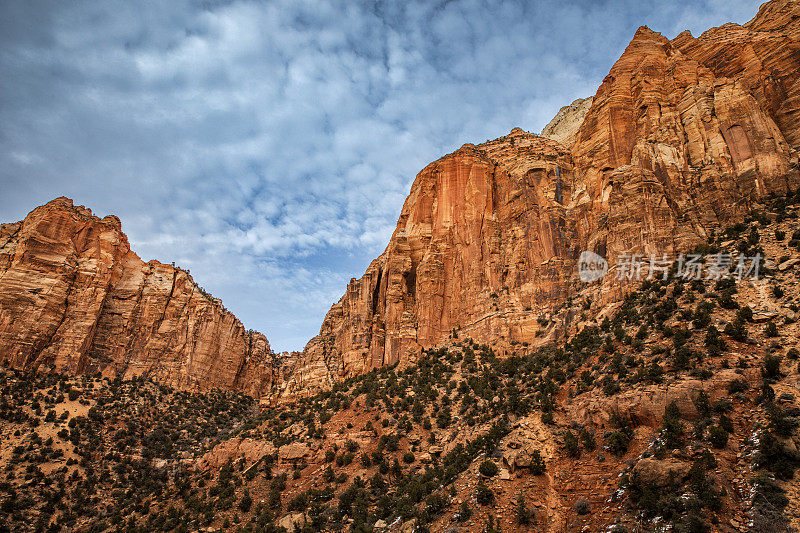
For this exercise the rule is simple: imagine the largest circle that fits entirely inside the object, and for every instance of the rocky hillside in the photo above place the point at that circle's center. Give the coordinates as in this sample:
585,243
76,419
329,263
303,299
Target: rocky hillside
75,298
682,138
469,380
676,411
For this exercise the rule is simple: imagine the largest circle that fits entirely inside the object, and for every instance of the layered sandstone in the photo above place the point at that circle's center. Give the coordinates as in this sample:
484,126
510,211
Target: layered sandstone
75,298
682,137
565,125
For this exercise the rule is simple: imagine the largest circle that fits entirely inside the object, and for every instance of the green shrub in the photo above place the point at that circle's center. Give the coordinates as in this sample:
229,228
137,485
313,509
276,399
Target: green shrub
672,429
618,440
737,329
737,385
435,503
714,341
523,513
780,422
587,438
771,330
484,494
488,468
745,313
245,502
537,464
610,386
717,437
703,404
571,444
771,368
464,512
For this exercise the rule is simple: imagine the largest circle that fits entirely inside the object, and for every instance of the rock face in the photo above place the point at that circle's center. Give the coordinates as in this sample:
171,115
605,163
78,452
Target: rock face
74,297
565,125
682,137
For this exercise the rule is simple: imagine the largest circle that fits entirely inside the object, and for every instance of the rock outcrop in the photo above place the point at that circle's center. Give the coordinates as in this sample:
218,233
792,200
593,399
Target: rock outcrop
75,298
682,137
565,125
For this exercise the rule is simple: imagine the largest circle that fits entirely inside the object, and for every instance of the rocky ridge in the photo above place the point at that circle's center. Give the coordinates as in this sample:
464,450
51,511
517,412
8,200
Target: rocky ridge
74,297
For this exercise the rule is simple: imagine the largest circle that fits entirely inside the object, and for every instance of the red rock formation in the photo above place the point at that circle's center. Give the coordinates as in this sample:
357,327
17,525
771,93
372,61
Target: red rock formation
74,297
681,138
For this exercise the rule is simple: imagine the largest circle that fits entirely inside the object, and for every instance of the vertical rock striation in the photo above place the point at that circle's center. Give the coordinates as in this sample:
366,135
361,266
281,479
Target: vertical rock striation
682,137
74,297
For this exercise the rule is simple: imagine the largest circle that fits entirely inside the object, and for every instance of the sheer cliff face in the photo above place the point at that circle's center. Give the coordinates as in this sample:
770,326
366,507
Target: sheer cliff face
74,297
682,136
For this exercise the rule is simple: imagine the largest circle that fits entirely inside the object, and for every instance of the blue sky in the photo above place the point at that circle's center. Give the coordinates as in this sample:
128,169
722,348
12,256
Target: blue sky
268,146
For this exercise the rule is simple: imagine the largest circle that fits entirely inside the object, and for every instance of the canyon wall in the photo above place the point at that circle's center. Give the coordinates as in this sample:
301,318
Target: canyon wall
681,138
564,127
75,298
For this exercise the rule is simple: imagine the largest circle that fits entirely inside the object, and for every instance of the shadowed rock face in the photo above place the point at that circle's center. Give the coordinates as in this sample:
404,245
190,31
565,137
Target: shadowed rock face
74,297
682,137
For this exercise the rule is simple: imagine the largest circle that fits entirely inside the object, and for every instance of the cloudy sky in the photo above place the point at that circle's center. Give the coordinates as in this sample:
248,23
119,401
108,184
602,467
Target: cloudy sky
268,145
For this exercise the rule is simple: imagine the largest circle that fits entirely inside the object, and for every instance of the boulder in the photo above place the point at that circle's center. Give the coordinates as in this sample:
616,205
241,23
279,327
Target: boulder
293,453
660,472
289,521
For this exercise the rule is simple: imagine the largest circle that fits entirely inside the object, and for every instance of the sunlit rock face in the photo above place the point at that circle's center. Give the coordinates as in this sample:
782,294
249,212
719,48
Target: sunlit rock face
564,127
682,137
74,297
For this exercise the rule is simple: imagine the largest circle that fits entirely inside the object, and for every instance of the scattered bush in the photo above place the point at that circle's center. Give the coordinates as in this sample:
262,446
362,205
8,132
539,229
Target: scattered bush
488,468
771,368
523,513
737,385
537,464
771,330
484,494
583,506
717,437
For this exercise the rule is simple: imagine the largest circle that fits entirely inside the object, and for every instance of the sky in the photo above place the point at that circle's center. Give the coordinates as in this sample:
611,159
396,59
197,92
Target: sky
268,146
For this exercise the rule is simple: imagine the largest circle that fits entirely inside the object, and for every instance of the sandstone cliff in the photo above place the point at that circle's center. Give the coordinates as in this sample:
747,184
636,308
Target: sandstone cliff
682,137
74,297
565,125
